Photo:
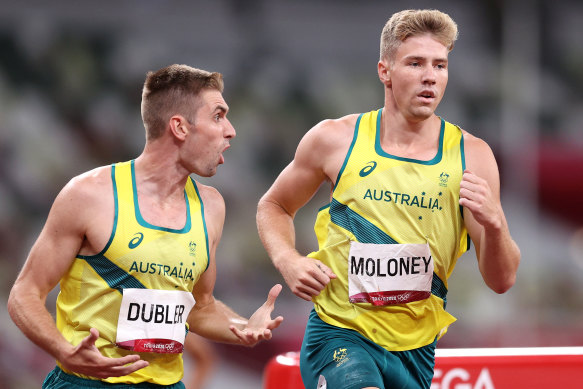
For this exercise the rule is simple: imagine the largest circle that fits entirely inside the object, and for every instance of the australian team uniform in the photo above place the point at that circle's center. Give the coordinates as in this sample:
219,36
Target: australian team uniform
138,290
392,233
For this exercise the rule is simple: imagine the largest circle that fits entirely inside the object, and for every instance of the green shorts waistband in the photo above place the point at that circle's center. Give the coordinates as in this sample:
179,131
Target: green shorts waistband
58,379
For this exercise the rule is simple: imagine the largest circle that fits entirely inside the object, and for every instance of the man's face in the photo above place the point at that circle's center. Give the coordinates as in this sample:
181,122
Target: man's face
209,134
418,76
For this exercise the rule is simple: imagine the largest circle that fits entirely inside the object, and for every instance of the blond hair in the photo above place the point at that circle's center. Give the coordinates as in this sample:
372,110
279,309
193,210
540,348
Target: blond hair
173,90
407,23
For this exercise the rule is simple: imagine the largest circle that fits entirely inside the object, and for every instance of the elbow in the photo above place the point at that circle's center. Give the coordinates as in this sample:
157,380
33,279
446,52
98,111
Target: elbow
21,297
502,278
12,304
263,202
268,206
502,285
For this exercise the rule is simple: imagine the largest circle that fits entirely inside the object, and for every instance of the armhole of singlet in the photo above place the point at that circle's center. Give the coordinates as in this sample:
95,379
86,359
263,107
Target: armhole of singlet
349,152
206,235
463,160
115,216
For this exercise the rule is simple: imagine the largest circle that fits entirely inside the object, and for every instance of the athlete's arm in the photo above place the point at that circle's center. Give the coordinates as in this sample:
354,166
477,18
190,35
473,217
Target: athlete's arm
498,254
49,259
318,159
212,318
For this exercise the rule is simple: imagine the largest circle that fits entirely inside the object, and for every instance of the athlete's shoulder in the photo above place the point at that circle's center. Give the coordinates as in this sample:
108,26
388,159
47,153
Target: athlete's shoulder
329,134
207,192
325,145
474,144
90,184
212,199
478,154
338,126
214,210
84,199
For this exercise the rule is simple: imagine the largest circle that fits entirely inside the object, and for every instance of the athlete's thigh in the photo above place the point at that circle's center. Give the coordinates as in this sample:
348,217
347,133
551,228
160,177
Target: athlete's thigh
339,363
412,369
350,366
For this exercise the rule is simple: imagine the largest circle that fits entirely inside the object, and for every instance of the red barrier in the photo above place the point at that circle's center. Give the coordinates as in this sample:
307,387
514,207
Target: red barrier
283,372
488,368
509,368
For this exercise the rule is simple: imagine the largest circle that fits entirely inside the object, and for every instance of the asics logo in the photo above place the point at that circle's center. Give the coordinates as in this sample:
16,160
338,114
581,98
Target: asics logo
368,169
135,242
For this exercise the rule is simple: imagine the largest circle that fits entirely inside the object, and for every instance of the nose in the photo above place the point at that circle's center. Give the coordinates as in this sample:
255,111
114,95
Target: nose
429,75
229,130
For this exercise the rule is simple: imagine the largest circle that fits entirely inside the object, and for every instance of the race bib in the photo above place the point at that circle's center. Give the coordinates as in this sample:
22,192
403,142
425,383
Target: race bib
388,274
153,320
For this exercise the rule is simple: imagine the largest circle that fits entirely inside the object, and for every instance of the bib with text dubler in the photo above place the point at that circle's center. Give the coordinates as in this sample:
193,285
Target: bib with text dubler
389,274
153,320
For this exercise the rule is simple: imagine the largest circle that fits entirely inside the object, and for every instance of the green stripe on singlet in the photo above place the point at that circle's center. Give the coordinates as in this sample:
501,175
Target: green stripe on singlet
116,277
366,232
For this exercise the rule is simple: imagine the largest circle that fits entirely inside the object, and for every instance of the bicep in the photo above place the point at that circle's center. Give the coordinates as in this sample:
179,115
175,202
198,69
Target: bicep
203,297
215,217
300,180
480,160
55,248
294,187
204,286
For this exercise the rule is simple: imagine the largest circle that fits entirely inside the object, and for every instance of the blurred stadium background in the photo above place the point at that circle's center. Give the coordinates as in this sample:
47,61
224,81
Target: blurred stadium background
71,74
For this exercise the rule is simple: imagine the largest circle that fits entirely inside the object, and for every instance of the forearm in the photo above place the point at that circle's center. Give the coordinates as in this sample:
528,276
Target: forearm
499,257
276,231
213,322
29,313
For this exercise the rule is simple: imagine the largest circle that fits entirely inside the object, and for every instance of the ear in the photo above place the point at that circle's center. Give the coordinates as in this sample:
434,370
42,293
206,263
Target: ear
178,127
384,73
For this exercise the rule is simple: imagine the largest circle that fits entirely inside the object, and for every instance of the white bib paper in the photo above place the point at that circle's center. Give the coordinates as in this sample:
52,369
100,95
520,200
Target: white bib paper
153,320
388,274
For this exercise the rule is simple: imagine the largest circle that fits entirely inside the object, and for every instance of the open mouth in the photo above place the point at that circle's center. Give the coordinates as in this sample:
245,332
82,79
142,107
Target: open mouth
426,97
222,158
427,94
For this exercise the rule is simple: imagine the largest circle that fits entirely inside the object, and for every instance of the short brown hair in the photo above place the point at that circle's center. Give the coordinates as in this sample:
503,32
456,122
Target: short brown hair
412,22
173,90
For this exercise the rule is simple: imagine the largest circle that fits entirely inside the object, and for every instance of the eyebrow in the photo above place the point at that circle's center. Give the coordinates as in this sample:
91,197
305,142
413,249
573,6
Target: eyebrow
421,58
222,108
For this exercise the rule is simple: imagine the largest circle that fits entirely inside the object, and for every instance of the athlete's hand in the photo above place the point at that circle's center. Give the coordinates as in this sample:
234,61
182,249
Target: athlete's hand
260,324
87,360
477,197
305,276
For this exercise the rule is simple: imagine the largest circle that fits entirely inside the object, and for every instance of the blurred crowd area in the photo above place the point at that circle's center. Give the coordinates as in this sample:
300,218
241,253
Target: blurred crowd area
71,74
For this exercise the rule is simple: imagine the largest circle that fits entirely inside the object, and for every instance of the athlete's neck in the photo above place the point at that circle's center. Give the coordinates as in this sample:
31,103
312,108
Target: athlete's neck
160,176
409,138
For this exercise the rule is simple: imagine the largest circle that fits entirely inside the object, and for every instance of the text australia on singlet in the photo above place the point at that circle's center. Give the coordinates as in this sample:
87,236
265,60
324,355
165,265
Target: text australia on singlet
412,200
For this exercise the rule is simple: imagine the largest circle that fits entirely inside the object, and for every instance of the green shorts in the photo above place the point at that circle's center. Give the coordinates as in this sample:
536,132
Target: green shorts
344,359
58,379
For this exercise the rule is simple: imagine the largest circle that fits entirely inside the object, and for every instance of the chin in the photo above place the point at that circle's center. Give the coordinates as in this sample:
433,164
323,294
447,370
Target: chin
209,174
206,172
422,114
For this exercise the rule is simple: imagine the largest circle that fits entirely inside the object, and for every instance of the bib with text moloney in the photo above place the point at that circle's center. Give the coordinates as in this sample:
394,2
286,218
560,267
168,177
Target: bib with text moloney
153,320
389,274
